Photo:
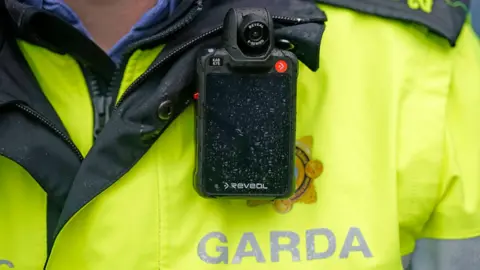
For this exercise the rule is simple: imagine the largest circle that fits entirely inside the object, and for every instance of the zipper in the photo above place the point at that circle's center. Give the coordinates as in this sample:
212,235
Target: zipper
102,105
49,124
177,26
194,41
101,102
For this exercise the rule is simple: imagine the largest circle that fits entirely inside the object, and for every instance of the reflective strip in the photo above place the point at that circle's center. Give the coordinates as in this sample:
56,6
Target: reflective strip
431,254
9,264
406,261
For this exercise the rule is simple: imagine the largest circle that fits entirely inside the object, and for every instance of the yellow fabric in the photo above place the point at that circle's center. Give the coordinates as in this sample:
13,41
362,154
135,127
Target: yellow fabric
392,120
137,65
387,118
457,215
62,82
119,208
23,225
23,203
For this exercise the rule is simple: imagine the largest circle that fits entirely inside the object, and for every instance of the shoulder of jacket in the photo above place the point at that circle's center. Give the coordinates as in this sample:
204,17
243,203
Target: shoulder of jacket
443,17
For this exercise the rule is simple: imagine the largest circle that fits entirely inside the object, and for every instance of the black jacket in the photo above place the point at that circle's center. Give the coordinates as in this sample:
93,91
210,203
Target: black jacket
32,134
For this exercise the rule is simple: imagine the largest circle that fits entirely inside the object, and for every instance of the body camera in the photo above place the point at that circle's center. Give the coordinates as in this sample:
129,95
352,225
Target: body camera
246,112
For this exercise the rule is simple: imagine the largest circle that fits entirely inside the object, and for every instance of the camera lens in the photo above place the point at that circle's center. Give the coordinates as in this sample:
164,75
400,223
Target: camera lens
255,34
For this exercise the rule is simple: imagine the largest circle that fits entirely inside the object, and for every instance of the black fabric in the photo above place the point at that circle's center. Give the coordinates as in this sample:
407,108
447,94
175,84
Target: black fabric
23,139
135,126
446,18
180,11
72,183
130,133
17,82
53,214
45,29
305,47
48,160
305,9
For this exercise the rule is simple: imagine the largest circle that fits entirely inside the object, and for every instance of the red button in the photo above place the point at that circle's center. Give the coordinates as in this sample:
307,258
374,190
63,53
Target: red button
195,96
281,66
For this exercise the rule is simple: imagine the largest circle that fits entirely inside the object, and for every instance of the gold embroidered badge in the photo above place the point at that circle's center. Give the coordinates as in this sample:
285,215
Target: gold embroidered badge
307,170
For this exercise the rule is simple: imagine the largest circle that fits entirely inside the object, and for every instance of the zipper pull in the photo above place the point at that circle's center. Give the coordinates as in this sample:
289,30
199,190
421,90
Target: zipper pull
103,106
108,108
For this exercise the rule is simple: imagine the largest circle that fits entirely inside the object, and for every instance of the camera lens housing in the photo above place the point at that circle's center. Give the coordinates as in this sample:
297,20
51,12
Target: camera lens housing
254,35
248,35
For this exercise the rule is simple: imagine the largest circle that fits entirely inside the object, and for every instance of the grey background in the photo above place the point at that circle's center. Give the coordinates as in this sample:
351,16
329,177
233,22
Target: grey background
475,7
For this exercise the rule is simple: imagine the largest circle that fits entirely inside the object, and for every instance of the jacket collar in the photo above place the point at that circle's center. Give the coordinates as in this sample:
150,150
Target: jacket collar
45,29
42,28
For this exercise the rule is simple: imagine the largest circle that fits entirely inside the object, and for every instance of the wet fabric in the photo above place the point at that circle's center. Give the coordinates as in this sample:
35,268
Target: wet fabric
386,163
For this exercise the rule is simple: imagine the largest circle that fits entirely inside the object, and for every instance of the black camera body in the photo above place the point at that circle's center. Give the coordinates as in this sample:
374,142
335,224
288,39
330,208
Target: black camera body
246,112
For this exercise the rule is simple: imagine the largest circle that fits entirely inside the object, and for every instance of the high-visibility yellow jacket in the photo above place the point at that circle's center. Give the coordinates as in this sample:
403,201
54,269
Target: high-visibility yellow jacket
388,145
